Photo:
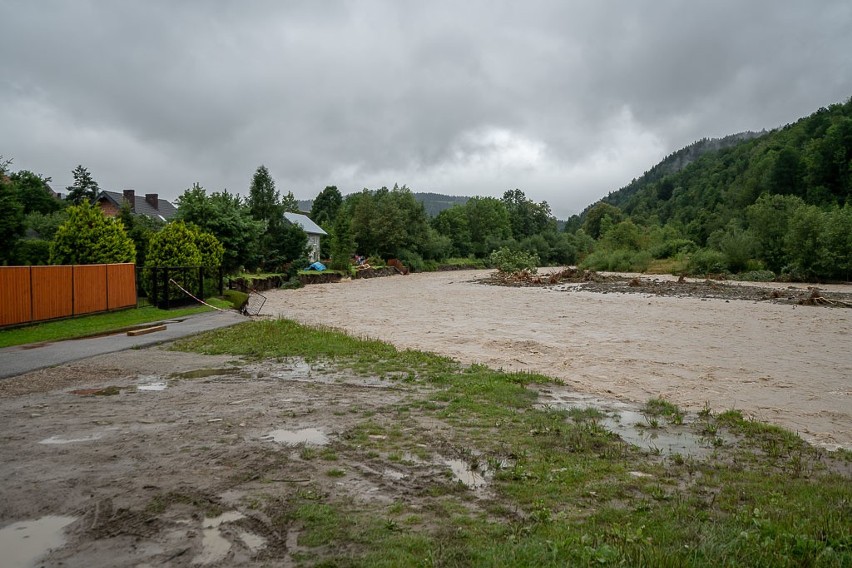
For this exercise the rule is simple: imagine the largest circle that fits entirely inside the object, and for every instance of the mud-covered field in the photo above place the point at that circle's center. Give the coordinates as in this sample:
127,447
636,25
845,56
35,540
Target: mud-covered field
167,458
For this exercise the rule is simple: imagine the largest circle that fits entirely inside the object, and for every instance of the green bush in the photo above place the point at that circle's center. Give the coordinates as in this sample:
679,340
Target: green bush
671,248
707,261
89,237
620,260
510,261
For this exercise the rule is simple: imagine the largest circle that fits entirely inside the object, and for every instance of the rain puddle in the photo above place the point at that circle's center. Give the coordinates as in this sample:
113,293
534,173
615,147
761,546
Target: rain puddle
462,471
60,440
151,383
307,436
204,373
215,547
630,423
23,543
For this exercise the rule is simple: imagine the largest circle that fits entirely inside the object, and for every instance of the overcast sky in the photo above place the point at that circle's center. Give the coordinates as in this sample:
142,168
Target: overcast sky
565,100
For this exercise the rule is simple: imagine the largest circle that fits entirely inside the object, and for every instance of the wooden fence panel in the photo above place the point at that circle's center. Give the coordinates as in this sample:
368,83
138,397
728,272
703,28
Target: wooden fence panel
53,296
90,294
121,286
15,295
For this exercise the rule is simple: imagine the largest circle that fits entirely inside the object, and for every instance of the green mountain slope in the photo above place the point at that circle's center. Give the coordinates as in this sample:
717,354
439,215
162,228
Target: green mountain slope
704,186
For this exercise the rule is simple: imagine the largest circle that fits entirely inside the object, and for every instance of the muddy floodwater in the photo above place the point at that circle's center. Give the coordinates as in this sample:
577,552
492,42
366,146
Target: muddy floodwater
785,364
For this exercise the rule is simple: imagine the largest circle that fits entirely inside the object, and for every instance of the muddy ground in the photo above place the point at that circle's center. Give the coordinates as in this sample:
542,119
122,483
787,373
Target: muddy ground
164,458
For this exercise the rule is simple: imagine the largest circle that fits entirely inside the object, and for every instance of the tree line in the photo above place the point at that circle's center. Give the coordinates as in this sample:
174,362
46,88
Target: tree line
770,204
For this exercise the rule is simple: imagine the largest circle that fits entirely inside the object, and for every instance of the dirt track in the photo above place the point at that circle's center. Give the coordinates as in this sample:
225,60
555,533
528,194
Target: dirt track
786,364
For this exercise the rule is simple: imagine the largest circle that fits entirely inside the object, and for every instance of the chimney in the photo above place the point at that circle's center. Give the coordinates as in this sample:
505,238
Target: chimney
152,200
130,198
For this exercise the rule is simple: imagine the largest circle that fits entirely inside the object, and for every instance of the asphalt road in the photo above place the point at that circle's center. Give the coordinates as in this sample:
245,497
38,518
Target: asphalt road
25,358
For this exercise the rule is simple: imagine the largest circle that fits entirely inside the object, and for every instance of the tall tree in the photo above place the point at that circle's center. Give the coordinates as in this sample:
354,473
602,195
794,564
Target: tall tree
263,200
84,188
225,216
11,218
326,205
34,193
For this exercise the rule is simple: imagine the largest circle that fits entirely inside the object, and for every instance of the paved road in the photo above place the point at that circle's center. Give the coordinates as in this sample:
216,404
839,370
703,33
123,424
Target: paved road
25,358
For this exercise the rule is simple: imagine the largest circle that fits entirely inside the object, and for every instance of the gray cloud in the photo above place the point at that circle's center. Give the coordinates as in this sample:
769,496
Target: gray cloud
565,100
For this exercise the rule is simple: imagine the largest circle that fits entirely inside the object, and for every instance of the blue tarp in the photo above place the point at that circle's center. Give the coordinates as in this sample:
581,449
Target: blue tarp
318,266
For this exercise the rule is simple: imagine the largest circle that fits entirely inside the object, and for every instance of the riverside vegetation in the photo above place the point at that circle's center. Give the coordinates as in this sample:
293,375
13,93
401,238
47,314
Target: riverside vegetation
561,488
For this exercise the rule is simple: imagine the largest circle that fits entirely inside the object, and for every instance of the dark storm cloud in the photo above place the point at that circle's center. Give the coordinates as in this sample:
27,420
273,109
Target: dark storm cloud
565,100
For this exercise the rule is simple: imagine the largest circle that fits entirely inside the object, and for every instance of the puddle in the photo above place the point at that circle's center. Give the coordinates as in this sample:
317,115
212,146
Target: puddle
103,391
60,440
204,373
307,436
151,383
630,423
462,471
252,541
214,546
23,543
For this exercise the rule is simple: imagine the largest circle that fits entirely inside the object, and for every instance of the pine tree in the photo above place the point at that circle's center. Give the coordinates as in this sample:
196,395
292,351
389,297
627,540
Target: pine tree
85,189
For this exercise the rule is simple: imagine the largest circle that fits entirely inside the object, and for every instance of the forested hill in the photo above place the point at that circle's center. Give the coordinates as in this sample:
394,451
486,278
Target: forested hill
677,161
434,203
810,159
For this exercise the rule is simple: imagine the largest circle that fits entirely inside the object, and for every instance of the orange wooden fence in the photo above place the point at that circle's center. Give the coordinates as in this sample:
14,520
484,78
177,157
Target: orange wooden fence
37,293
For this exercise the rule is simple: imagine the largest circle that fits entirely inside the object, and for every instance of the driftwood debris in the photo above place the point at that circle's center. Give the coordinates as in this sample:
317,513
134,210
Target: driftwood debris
817,299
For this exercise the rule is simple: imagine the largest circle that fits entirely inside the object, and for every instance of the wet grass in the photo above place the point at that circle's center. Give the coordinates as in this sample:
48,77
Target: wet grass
86,326
565,491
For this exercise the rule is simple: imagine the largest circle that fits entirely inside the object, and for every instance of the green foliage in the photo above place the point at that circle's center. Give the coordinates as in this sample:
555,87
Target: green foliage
478,227
139,228
342,244
743,195
594,222
11,220
89,237
384,222
174,246
618,260
526,217
511,261
32,252
34,193
737,245
325,206
224,215
84,189
263,201
707,261
46,224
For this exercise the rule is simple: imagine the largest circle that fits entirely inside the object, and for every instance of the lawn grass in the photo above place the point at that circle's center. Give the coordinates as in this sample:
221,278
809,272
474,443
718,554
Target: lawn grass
565,491
72,328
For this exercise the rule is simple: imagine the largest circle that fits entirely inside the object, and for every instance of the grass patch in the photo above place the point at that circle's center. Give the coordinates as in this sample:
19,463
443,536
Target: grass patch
84,326
666,266
562,489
